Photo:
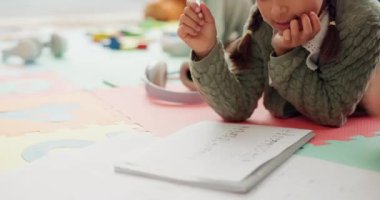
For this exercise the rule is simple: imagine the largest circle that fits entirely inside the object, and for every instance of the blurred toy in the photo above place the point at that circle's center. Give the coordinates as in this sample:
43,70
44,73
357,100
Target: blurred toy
132,31
125,43
30,49
100,37
127,38
165,10
114,43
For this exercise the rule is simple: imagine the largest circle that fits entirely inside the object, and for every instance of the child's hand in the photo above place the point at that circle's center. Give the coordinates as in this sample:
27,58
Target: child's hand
197,28
300,32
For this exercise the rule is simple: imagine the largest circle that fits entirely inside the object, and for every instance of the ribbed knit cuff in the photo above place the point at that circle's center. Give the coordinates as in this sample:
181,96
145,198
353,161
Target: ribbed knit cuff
202,66
281,67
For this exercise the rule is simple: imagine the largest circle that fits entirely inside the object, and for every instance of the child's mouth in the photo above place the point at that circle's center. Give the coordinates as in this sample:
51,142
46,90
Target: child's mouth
281,26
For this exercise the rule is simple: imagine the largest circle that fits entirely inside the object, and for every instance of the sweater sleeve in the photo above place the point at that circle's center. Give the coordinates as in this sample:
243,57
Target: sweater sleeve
231,92
331,93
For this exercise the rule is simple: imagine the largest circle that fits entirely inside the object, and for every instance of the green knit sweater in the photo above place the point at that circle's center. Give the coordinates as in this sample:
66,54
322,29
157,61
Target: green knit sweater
327,96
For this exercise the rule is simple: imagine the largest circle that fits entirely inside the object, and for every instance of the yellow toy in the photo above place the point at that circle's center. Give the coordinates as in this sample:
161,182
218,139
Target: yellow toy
165,10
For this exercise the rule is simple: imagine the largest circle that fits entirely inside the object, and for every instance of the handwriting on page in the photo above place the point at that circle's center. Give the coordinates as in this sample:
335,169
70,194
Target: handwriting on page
264,146
259,145
223,138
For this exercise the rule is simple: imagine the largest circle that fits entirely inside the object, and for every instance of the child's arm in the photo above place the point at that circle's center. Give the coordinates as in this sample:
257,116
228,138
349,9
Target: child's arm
234,95
331,93
231,92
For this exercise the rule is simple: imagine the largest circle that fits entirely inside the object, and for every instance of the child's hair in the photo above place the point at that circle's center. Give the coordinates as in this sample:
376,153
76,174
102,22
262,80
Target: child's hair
242,55
331,44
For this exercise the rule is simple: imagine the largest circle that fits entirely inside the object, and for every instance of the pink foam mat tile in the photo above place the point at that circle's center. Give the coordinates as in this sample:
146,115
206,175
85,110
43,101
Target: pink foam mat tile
163,118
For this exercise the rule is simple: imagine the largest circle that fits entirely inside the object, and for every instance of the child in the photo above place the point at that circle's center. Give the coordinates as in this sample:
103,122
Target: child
313,58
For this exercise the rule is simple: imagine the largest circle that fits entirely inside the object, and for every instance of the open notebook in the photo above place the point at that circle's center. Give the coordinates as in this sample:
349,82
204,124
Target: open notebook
223,156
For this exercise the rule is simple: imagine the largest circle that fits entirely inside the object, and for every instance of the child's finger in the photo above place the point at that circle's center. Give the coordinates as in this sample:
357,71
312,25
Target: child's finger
190,13
189,22
206,13
184,31
195,7
286,35
294,30
306,26
315,23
